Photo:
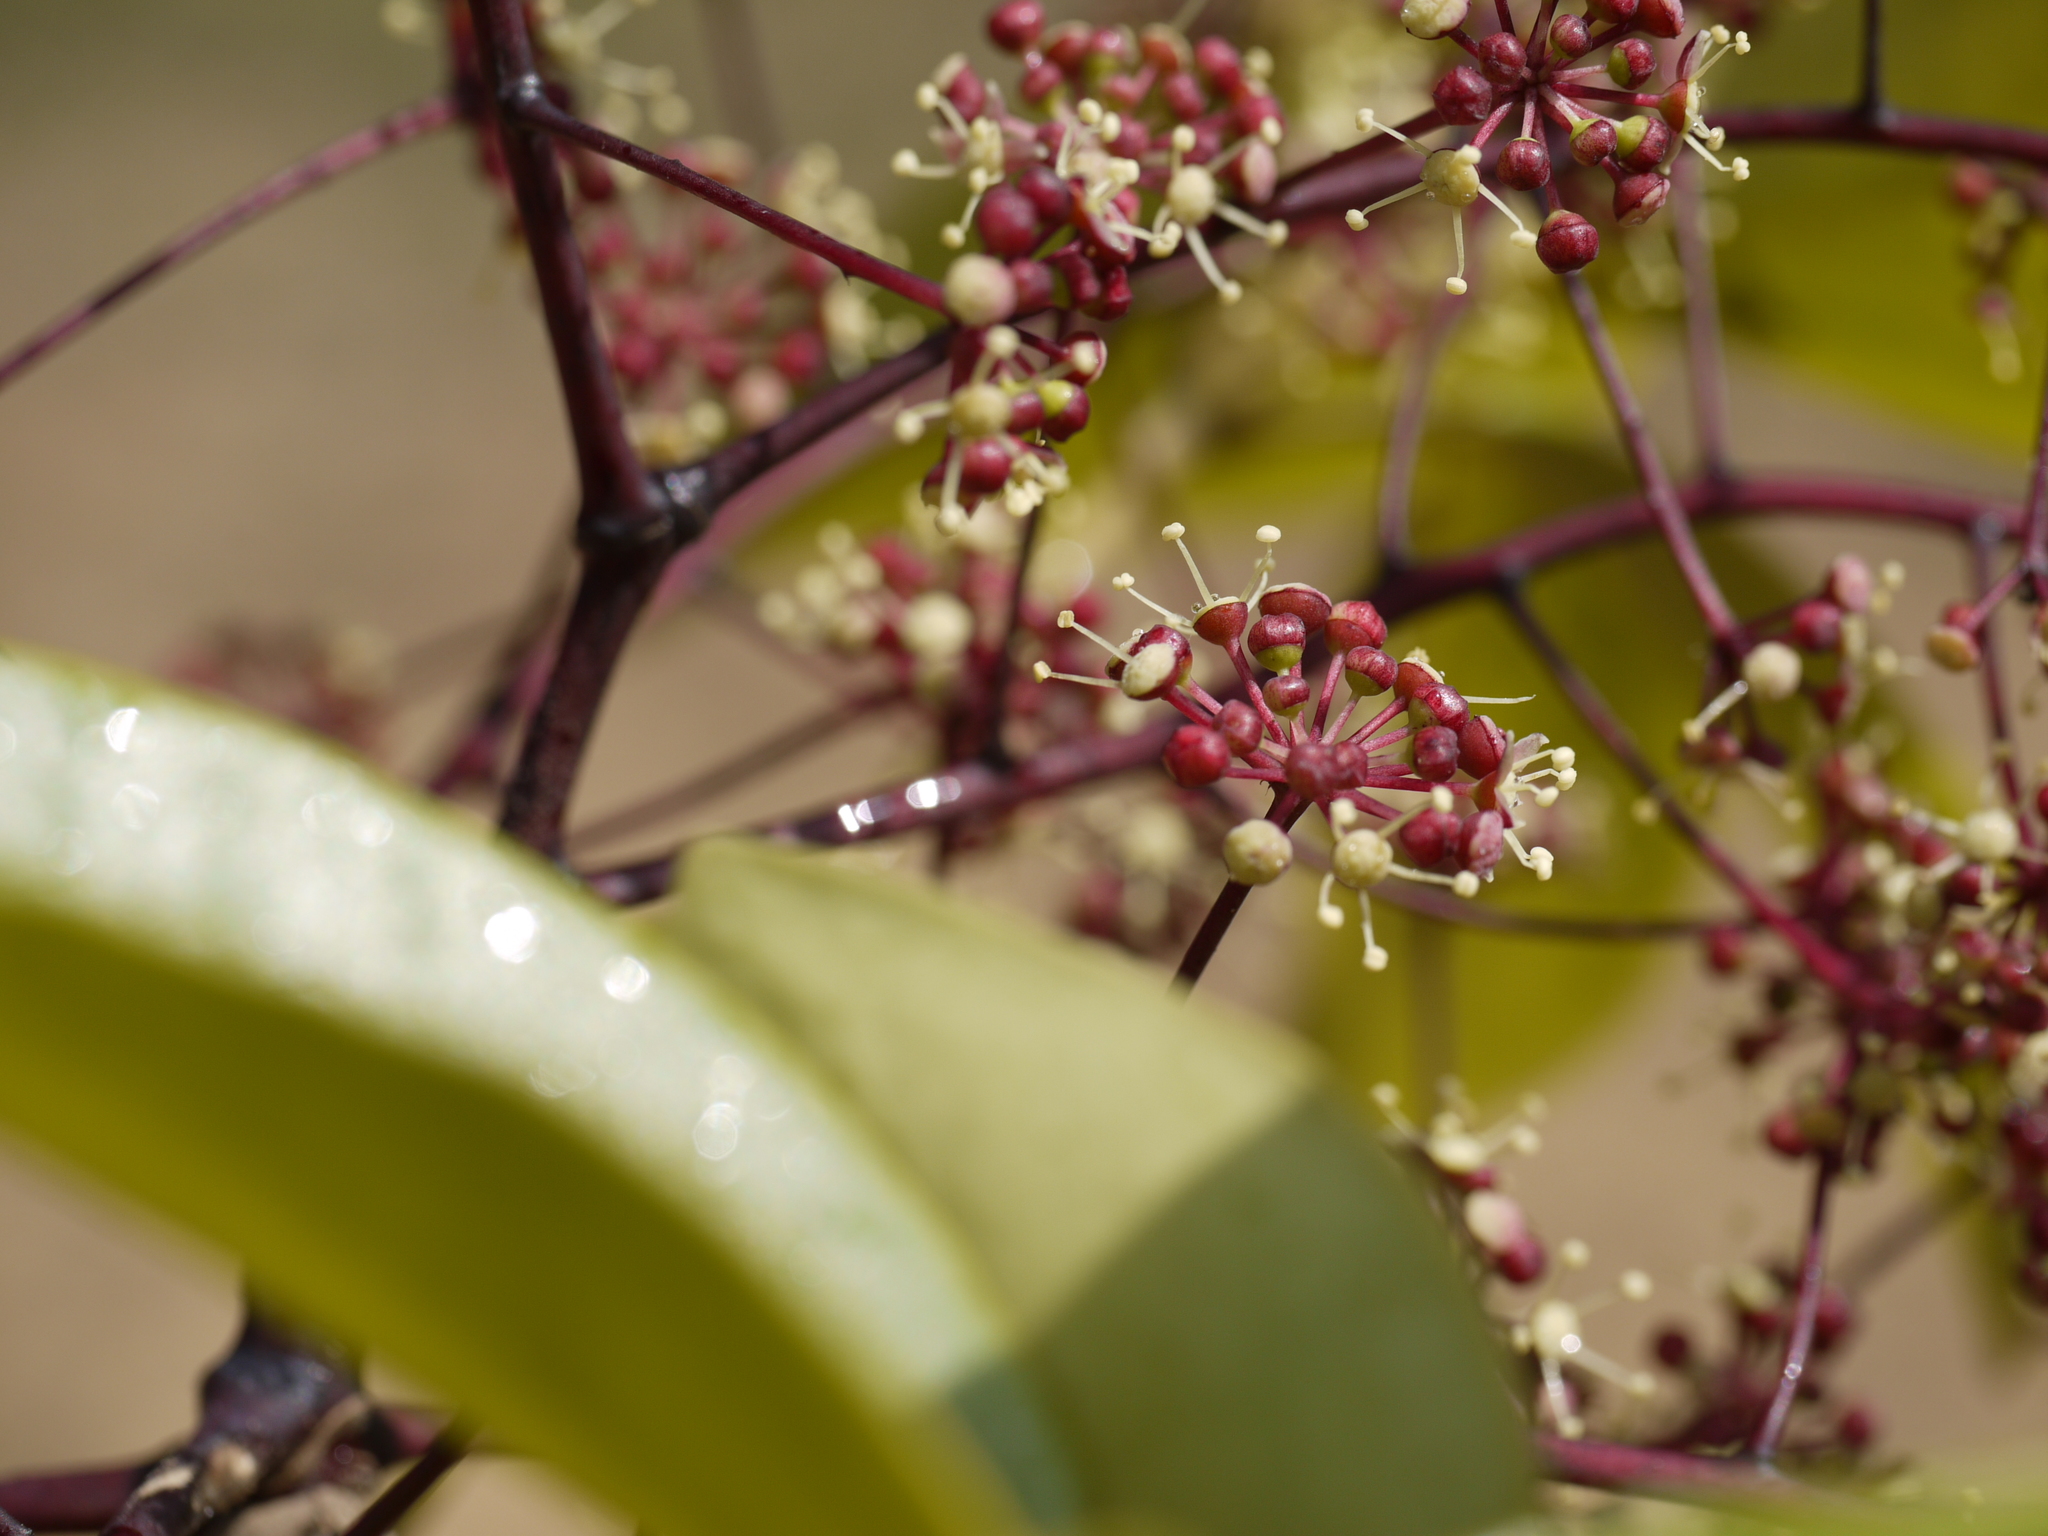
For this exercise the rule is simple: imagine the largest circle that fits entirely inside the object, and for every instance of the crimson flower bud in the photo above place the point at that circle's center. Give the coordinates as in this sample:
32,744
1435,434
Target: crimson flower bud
1160,661
1637,198
1661,18
1115,299
1502,57
1523,1261
1621,12
1567,241
1067,44
1183,96
984,466
1220,64
1222,622
1007,220
1299,599
1592,140
1072,412
1027,411
1369,672
1429,837
1480,842
1276,639
1632,62
1314,770
1524,164
1857,1428
1570,36
1286,694
1850,584
1354,622
1040,81
1035,290
1783,1136
1816,625
1434,752
1481,746
1411,677
1051,196
1641,143
1674,1348
1196,755
1241,727
1014,25
1724,950
1439,704
1164,49
1463,96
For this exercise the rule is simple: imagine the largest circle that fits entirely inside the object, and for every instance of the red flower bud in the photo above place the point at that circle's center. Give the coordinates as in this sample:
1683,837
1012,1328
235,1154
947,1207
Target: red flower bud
1522,1262
1567,241
1275,641
1661,18
1241,727
1411,678
1429,837
1183,96
1570,36
1069,418
1314,770
1007,220
1221,623
1481,746
1632,62
1286,694
1724,950
1622,12
1850,584
1463,96
1051,196
1354,622
1524,164
1641,143
1014,25
1783,1136
1480,842
1637,198
1067,44
1502,57
1674,1348
984,466
1441,704
1592,140
1220,64
1434,752
1369,672
1816,625
1035,290
1299,599
1196,755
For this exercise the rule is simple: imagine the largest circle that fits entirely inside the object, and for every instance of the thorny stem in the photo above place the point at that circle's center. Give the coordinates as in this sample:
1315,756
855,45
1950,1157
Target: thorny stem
1706,362
318,168
395,1502
1831,968
531,105
1658,490
1404,435
1812,1275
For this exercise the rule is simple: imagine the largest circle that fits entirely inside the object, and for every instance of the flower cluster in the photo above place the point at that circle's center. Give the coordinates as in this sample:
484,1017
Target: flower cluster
1461,1176
1104,117
1721,1398
1399,729
2003,204
1540,90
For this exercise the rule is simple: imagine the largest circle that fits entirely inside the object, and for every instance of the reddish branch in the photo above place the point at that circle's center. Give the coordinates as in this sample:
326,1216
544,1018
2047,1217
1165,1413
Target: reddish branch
1664,1474
1888,130
1812,1277
414,1484
318,168
1705,363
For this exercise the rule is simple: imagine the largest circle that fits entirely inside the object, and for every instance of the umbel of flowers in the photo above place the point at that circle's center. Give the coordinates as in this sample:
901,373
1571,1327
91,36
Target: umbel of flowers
1547,91
1412,783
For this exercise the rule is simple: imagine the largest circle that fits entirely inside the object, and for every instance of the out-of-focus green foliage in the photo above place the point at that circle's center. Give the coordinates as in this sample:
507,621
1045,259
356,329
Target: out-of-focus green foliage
453,1108
1240,1314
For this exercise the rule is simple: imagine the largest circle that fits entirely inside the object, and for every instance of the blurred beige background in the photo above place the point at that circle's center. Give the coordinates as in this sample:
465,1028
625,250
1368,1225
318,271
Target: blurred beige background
346,413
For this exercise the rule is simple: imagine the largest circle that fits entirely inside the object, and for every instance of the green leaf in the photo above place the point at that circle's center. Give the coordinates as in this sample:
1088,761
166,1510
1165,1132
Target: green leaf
451,1107
1237,1307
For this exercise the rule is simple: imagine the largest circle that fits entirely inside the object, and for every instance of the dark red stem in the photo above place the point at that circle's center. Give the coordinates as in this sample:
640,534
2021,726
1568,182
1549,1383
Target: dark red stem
1890,130
1661,1474
322,166
1404,435
417,1481
1770,1433
1996,716
531,106
83,1500
1705,363
1658,491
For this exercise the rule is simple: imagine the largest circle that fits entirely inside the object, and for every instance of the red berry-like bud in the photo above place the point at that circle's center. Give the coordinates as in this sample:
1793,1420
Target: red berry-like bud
984,466
1816,625
1164,49
1592,140
1315,770
1183,96
1369,672
1067,44
1354,622
1783,1135
1567,241
1035,290
636,357
1856,1429
1522,1262
1275,641
1007,220
1621,12
1661,18
1299,599
1110,47
1286,694
1014,25
1674,1348
1480,842
1833,1318
1524,164
1850,584
1724,950
1430,836
1637,198
1241,727
1196,755
1501,57
1051,196
1641,143
1040,81
1570,36
1632,62
1411,678
1070,418
1439,704
1463,96
800,356
1115,299
964,88
1481,746
1222,622
1434,752
1221,64
1027,412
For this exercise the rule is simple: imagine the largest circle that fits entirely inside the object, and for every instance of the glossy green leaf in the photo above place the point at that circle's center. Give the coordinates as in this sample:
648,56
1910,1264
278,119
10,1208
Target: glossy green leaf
449,1106
1242,1317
